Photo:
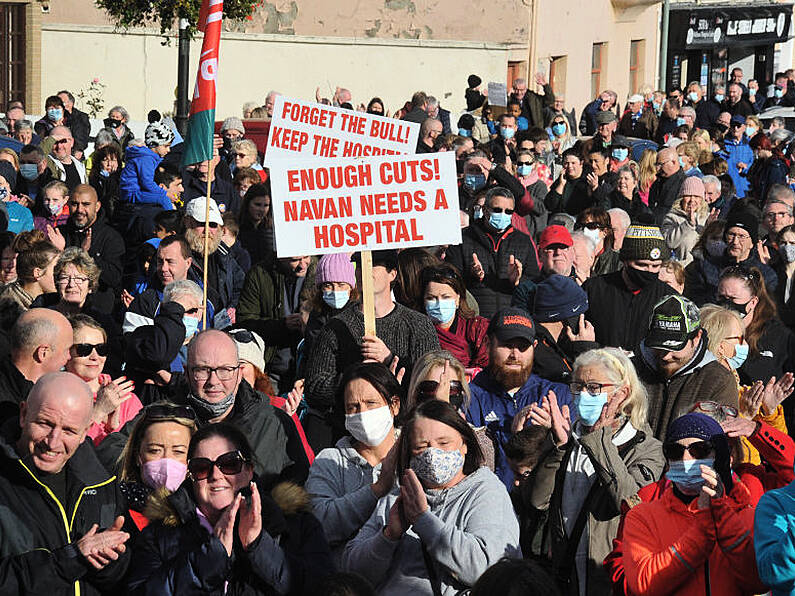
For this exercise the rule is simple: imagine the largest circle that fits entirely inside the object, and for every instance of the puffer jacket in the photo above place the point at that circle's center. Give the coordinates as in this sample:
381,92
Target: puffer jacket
702,275
620,464
681,235
773,530
176,554
137,182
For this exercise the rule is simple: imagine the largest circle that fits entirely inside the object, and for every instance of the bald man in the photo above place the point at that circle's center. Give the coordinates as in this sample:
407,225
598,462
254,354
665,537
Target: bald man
665,189
60,511
214,387
63,166
40,343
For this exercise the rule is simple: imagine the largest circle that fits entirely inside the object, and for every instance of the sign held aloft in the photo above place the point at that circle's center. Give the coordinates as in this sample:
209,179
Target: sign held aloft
348,205
305,129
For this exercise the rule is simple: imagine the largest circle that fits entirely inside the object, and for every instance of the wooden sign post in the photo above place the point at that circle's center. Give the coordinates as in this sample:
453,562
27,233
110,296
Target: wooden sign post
368,298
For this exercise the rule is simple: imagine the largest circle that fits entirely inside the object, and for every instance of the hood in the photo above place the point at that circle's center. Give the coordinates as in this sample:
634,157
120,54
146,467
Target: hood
137,152
439,499
701,358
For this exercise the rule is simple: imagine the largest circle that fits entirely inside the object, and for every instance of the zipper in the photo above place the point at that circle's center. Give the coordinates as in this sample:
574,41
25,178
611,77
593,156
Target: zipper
67,524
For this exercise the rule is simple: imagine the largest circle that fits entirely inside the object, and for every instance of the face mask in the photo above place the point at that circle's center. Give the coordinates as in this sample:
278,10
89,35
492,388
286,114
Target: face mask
111,123
166,472
191,326
779,93
29,171
719,97
524,170
559,129
682,162
589,407
474,182
463,132
436,466
104,173
336,298
3,194
477,213
507,133
620,154
54,114
592,234
686,474
681,121
208,411
751,92
740,355
788,252
693,96
499,221
740,309
640,278
750,131
716,248
371,426
54,208
655,105
441,311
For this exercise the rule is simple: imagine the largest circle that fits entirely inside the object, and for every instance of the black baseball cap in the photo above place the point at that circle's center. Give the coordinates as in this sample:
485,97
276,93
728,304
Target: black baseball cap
512,323
674,321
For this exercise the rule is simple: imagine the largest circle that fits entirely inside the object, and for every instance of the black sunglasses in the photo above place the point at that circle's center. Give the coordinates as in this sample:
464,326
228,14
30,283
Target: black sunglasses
426,390
500,210
83,350
230,464
161,411
676,451
591,225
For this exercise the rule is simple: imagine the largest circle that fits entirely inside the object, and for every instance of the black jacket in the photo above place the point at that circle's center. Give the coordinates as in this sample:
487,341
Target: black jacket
14,389
259,242
495,291
574,198
80,126
775,355
225,277
176,555
552,359
107,250
707,112
38,533
664,192
221,191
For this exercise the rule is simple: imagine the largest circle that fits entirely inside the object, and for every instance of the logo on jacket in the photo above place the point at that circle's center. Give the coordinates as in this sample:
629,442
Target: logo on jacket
766,354
491,417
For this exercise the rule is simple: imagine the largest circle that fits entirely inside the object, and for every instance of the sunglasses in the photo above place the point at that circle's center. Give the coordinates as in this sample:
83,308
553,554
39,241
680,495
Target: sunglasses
591,225
83,350
676,451
160,411
426,390
244,336
525,163
500,210
229,464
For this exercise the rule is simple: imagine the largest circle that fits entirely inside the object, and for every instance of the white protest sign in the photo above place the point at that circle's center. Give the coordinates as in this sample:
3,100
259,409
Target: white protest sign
498,94
344,205
302,129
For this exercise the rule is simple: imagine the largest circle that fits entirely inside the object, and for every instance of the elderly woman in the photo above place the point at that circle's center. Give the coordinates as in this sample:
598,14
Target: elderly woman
114,402
156,455
221,533
450,520
116,123
245,152
685,222
23,132
602,455
625,195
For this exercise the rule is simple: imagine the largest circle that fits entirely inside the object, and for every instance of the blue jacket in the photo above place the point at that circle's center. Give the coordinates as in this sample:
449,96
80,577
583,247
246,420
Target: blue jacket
774,539
137,182
735,152
491,406
20,219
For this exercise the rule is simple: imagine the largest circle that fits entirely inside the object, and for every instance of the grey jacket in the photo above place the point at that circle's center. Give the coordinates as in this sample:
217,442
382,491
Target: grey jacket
466,529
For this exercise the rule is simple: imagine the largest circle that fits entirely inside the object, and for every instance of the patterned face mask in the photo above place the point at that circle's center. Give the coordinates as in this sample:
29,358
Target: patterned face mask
436,466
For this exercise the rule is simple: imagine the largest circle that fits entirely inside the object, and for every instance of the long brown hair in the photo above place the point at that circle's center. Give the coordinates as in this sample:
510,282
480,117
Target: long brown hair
449,275
408,288
765,309
34,251
600,216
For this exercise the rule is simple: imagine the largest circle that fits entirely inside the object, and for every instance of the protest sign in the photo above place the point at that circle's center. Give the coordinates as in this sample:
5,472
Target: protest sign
498,94
302,129
346,205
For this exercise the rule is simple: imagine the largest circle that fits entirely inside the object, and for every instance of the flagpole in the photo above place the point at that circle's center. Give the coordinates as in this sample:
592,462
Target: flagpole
206,246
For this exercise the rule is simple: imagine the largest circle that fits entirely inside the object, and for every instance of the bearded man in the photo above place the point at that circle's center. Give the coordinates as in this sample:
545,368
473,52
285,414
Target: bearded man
508,385
224,275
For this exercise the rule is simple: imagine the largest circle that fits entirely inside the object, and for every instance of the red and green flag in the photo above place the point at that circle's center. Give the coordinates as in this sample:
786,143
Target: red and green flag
199,138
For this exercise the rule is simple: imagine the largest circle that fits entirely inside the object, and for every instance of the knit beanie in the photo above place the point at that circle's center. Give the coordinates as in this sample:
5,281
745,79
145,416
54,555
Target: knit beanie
693,426
693,187
158,133
250,347
233,123
644,242
335,267
744,220
473,81
558,298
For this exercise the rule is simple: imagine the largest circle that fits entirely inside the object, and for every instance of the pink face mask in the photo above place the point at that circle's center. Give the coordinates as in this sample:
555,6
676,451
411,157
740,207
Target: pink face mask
163,472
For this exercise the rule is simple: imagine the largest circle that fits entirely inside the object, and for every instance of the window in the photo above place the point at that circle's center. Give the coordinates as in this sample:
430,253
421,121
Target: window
557,74
597,66
516,70
12,52
636,51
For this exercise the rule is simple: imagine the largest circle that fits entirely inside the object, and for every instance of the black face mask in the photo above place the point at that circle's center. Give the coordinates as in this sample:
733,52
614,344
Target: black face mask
740,309
640,278
111,123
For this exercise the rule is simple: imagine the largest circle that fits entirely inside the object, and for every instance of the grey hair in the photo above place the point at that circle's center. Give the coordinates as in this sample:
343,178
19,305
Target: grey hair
780,135
23,124
688,110
779,121
245,145
772,202
628,170
28,333
432,101
271,93
782,193
520,82
104,138
590,243
120,109
183,287
710,179
623,216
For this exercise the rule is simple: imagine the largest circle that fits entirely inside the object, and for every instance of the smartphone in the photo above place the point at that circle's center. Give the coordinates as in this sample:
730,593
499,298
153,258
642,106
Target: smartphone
246,493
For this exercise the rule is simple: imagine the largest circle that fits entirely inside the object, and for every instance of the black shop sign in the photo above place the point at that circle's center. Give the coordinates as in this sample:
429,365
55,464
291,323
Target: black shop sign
704,27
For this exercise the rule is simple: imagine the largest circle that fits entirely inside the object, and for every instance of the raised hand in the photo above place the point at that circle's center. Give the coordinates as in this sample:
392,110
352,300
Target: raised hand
609,412
110,396
586,332
541,415
395,526
294,398
711,489
763,252
514,270
520,419
102,548
397,373
414,501
477,268
386,479
561,420
250,526
55,237
738,427
224,528
86,244
751,399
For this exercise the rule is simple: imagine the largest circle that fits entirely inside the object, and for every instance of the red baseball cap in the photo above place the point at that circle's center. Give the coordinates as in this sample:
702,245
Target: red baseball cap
555,235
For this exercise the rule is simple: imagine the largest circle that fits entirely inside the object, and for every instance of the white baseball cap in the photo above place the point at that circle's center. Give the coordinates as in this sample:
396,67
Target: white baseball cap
635,98
197,210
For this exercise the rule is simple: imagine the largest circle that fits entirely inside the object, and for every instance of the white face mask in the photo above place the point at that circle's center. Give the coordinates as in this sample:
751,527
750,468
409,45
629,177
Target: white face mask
592,234
371,426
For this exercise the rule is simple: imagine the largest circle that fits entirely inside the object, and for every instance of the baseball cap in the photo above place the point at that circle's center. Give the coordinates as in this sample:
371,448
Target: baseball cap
674,321
197,207
738,119
555,235
512,323
605,117
635,98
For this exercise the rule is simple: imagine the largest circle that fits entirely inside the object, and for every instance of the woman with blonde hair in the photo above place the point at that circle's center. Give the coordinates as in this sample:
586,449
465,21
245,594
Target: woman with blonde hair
604,452
688,158
647,174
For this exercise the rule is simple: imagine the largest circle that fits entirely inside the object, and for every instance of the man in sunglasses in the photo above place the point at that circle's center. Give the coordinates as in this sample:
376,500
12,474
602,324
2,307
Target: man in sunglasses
62,164
676,367
63,510
221,189
665,189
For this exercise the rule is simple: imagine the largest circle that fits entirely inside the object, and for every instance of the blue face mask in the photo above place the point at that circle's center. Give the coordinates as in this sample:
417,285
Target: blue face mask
499,221
336,298
681,121
779,93
589,407
682,162
104,173
463,132
686,474
558,129
477,212
441,311
54,114
507,133
191,326
693,96
29,171
620,154
524,170
474,182
655,105
719,97
740,355
751,92
750,131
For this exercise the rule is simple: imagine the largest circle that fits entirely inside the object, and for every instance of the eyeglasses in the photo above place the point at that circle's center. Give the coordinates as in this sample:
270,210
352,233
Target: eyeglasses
212,225
592,388
230,464
735,236
776,214
676,451
500,210
713,406
660,164
75,279
159,411
83,350
224,373
62,142
241,155
428,389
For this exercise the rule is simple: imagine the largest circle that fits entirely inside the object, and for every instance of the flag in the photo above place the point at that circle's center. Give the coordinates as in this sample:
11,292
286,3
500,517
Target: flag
201,121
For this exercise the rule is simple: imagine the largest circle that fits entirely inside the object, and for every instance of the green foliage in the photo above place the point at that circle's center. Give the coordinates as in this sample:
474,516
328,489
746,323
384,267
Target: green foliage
141,13
91,97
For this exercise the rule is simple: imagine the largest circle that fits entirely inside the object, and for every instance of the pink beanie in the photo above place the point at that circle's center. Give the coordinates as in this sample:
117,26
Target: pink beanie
335,267
692,186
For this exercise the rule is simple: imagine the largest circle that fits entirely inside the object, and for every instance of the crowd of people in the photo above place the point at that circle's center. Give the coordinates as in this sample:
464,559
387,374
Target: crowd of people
588,395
